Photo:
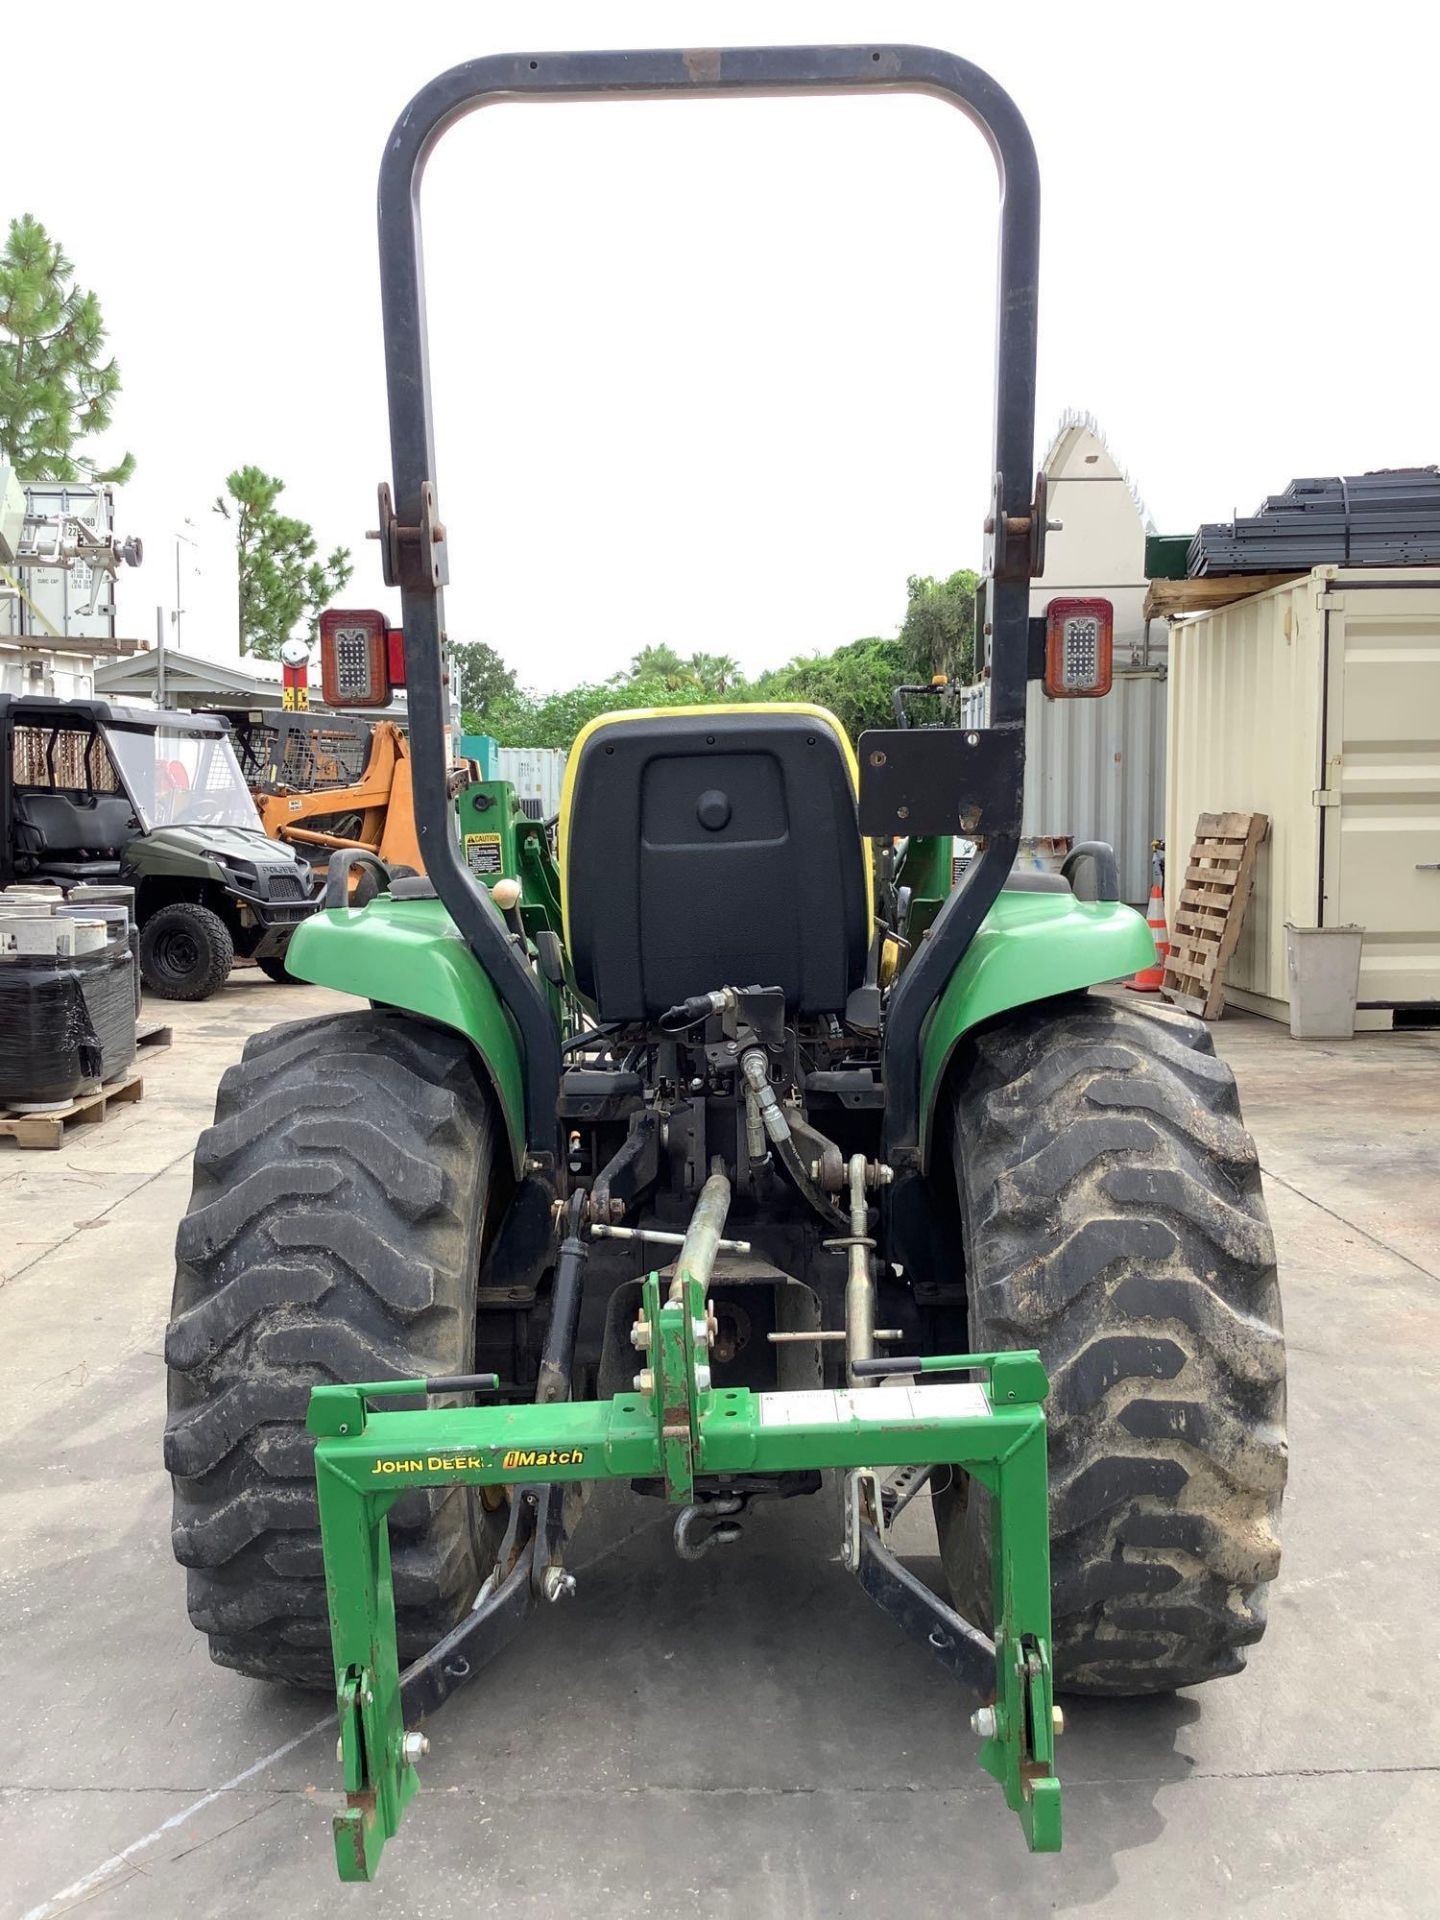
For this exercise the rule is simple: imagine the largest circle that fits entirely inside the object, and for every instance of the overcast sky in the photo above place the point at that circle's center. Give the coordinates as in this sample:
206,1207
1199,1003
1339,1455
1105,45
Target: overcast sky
718,373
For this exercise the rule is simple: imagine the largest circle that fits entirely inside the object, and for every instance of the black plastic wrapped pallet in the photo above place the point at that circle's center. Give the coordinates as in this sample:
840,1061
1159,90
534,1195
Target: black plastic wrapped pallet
108,980
66,1024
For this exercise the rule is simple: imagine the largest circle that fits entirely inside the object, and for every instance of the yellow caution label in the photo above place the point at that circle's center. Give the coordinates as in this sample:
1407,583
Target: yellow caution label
482,853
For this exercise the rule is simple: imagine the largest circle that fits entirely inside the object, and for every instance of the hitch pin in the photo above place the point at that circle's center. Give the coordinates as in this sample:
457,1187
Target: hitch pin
606,1232
888,1334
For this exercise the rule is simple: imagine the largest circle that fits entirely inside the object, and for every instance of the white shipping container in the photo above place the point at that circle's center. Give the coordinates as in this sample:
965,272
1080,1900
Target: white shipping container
63,676
1318,704
1094,769
536,773
59,595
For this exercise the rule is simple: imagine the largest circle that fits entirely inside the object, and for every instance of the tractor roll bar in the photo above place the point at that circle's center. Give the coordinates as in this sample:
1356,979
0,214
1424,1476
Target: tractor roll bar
413,545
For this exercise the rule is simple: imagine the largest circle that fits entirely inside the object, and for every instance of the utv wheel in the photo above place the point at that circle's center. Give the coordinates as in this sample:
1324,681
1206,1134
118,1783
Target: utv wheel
1115,1221
186,952
275,969
333,1234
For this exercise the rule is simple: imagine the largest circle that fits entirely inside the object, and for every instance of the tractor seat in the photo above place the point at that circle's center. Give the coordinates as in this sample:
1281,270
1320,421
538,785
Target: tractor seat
711,847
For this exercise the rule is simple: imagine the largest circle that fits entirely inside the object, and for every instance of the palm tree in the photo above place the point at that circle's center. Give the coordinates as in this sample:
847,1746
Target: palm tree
714,673
660,663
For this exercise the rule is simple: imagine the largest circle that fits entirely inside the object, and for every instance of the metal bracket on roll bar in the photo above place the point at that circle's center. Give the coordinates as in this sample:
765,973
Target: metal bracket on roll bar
1016,541
412,556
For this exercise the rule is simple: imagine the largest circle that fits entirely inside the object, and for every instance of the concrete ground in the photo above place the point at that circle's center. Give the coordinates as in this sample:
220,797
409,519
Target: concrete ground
745,1735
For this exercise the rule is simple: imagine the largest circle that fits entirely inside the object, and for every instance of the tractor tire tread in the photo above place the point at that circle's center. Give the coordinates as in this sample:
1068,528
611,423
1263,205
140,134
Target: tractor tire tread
1116,1223
333,1234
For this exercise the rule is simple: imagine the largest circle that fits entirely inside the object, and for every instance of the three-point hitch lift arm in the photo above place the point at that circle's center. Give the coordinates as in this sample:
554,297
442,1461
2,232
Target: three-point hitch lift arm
985,1415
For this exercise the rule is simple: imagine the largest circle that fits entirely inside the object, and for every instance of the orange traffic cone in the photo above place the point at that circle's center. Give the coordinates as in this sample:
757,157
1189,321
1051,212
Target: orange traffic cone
1148,979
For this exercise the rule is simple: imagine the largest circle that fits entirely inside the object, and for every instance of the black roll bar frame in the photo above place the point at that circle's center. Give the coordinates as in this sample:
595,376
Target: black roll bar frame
414,548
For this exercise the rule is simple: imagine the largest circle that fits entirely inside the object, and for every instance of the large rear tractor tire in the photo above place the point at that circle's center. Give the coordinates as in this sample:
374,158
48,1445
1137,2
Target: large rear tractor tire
333,1234
1114,1220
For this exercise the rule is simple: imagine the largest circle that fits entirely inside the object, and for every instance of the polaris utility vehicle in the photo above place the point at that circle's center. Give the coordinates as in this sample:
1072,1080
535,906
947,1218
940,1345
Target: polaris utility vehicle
157,802
735,1145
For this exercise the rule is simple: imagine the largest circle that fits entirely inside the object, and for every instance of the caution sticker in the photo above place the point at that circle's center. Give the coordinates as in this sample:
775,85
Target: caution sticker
482,853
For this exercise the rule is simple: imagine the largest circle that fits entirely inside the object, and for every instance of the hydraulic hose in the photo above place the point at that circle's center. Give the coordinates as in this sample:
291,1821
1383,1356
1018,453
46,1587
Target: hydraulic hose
756,1069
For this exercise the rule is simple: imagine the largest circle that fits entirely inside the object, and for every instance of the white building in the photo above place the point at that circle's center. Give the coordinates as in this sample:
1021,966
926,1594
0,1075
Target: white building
1099,547
1095,768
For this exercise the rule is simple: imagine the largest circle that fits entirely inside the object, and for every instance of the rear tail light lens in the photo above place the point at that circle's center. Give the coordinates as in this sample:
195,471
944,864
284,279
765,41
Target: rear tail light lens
354,658
1079,649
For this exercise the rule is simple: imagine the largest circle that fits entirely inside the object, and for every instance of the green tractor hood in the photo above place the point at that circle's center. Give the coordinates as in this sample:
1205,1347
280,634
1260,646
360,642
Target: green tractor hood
410,954
1031,946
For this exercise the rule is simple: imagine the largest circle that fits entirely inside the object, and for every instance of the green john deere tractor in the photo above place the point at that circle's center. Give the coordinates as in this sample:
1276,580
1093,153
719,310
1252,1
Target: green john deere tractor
733,1145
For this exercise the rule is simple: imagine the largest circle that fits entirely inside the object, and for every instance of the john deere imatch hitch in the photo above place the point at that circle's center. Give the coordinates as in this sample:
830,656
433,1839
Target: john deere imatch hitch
675,1427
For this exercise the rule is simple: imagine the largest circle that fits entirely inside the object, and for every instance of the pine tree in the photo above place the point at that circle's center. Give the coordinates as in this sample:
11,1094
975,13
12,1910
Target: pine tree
281,582
55,386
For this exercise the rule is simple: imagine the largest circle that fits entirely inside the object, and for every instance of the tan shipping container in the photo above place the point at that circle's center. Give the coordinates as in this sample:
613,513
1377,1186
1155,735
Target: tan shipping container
1318,704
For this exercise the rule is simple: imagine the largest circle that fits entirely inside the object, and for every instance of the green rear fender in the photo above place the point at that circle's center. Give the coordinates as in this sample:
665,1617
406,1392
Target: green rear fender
408,954
1030,947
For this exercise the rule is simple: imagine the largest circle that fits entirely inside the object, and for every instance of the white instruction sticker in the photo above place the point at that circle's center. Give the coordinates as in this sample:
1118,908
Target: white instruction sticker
963,1401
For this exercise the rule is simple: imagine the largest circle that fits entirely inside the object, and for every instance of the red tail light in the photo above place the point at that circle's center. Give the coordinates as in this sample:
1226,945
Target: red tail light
354,658
396,646
1079,649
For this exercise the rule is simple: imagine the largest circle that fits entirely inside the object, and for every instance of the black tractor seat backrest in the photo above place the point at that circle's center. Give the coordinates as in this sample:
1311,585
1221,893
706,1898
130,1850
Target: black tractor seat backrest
66,823
714,849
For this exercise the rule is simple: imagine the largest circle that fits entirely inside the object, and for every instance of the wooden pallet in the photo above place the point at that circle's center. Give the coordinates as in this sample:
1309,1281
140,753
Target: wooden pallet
1213,898
154,1034
47,1130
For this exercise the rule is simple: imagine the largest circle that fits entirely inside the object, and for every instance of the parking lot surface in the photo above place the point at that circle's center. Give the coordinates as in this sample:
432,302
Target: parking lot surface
745,1735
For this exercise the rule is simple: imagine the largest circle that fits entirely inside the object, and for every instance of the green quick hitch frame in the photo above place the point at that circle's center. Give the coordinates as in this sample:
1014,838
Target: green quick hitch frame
675,1427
